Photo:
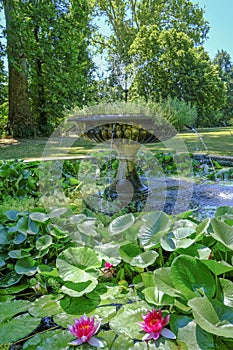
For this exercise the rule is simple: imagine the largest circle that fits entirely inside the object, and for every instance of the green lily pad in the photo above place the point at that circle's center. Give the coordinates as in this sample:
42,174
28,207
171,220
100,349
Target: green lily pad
121,223
46,305
17,328
213,316
191,277
52,340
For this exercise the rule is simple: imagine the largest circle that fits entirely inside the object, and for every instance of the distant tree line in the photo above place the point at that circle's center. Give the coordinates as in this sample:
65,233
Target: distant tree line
154,52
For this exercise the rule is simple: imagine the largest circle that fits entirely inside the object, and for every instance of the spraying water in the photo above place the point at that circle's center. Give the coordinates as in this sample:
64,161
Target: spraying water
205,148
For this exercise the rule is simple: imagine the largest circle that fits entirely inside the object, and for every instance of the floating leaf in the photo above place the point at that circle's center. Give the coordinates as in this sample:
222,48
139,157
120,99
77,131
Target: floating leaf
12,214
9,309
52,340
78,289
127,318
78,265
155,224
157,297
213,316
46,305
163,281
76,219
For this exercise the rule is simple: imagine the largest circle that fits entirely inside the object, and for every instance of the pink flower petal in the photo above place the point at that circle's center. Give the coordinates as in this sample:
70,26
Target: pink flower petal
76,342
168,334
95,342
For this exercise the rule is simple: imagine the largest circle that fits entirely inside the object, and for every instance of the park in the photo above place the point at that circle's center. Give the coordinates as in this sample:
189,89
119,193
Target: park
116,179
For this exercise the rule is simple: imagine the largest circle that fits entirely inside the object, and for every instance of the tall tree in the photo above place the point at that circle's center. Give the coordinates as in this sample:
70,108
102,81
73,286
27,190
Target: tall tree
224,62
160,40
172,66
19,115
52,37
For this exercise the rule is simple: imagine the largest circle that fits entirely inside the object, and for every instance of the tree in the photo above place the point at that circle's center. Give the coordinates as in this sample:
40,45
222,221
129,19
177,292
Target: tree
173,66
160,40
52,37
224,62
19,115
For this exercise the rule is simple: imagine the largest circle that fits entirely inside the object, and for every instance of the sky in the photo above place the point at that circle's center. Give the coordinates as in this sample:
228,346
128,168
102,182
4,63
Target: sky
219,15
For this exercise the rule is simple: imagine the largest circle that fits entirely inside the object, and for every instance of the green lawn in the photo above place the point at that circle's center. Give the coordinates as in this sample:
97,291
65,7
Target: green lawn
218,141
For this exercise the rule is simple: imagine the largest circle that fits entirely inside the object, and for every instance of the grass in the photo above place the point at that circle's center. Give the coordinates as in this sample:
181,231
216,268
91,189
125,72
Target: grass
216,141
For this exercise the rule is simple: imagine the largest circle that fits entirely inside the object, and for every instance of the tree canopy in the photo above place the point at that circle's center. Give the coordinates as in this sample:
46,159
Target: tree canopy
153,49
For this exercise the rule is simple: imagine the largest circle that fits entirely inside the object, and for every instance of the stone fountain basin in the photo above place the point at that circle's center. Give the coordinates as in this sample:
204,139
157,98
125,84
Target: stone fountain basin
132,127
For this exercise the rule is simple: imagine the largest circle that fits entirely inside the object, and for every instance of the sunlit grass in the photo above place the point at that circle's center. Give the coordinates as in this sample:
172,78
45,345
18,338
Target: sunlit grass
216,141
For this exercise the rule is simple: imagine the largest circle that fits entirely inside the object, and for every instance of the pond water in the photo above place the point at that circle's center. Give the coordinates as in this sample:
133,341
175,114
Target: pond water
176,196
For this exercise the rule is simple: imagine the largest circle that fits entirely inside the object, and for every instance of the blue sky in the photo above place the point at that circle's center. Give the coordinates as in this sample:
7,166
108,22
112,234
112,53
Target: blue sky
219,14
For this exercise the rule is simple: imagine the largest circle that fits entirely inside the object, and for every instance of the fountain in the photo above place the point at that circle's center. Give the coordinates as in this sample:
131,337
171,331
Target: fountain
126,132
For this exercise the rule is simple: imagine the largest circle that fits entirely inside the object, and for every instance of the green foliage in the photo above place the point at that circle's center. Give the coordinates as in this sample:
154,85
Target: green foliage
148,271
53,38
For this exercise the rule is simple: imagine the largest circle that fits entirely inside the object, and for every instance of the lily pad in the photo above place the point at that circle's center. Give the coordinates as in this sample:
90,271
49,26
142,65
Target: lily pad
213,316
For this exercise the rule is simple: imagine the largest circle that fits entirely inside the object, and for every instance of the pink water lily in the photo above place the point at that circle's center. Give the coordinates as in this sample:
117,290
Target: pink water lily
108,265
84,329
154,324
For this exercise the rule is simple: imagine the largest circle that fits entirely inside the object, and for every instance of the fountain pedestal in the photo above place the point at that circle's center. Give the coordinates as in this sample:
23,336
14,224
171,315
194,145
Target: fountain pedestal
127,187
126,133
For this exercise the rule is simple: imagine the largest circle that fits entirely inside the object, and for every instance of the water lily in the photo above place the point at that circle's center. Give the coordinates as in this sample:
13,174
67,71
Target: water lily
108,265
154,324
84,329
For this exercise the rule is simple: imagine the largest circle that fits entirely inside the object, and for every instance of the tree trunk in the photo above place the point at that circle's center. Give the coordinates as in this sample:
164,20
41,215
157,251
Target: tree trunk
19,115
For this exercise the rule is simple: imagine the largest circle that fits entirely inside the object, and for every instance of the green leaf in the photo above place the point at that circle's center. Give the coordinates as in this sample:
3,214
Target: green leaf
154,226
222,233
10,279
26,266
88,227
213,316
3,236
52,340
127,318
191,277
164,283
22,225
121,223
38,216
78,289
79,305
12,214
46,305
190,333
9,309
227,291
157,297
20,238
44,242
218,267
78,265
144,259
57,212
128,251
